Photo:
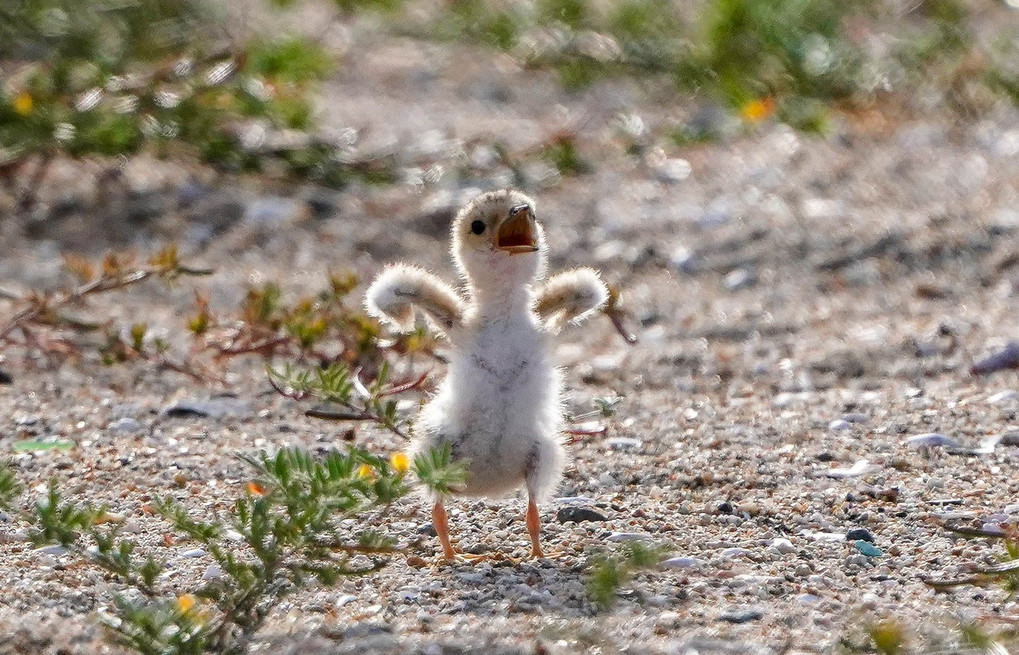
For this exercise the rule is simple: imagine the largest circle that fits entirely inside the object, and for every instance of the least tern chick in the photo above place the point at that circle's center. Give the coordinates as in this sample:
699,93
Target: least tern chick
499,407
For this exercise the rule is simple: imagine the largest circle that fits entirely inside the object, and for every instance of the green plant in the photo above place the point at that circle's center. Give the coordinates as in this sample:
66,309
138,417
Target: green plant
608,573
336,385
108,79
887,637
290,526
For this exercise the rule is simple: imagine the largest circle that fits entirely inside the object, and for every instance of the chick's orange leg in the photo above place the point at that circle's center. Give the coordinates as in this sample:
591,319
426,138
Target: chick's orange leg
441,525
534,529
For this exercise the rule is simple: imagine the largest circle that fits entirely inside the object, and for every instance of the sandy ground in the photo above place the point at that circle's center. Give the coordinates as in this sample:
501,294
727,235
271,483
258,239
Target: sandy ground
802,304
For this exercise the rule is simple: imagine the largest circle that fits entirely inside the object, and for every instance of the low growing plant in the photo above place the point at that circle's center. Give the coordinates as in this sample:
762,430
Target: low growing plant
289,527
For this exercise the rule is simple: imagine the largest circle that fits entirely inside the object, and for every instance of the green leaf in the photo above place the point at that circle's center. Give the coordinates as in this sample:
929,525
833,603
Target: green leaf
39,445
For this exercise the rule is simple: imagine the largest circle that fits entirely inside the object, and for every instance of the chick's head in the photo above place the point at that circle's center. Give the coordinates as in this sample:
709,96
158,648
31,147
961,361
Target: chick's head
497,242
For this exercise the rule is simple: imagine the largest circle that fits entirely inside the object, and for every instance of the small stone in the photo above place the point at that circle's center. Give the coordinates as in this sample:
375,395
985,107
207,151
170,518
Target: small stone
5,377
855,417
215,408
862,467
839,424
993,528
739,279
416,562
733,553
55,550
741,616
930,440
345,599
1009,439
214,572
125,424
682,563
783,546
684,260
725,508
1002,397
623,443
578,515
192,553
673,170
667,620
859,534
866,548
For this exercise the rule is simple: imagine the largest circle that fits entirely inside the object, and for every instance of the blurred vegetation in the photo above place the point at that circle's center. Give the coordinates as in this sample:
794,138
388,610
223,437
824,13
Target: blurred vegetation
179,77
791,59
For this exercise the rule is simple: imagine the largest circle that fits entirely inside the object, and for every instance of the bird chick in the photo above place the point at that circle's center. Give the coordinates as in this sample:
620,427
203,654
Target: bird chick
499,407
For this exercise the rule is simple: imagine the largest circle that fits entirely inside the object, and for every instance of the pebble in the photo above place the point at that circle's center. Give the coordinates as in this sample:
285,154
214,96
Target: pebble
214,572
993,528
682,563
855,417
686,261
733,553
194,552
623,443
5,377
56,550
862,467
741,616
578,515
1010,438
215,408
839,424
673,170
930,440
1002,397
859,534
783,545
667,620
859,560
866,548
739,279
125,424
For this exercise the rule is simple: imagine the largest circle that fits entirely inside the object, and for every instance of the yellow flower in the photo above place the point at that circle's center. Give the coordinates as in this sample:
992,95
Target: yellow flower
23,104
186,602
757,110
399,462
365,471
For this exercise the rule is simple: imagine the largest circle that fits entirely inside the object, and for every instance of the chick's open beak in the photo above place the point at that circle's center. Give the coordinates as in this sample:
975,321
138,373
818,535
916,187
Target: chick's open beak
518,233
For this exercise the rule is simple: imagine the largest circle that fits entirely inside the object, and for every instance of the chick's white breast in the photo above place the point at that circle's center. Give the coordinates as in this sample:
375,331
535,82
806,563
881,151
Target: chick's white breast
499,404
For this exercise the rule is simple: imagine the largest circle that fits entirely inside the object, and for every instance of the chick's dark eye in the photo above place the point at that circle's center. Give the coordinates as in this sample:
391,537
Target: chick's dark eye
477,227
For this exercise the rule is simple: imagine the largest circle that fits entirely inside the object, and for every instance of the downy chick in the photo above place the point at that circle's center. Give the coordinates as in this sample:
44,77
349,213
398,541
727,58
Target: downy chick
499,407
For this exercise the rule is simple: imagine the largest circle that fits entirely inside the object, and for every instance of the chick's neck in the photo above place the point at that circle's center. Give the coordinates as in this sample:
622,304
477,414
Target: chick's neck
505,302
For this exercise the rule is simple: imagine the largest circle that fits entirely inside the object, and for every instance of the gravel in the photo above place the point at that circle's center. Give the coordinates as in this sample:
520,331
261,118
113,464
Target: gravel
789,293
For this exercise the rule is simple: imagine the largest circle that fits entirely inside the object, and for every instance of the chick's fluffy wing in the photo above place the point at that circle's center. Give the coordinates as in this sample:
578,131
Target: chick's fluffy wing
400,289
570,297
